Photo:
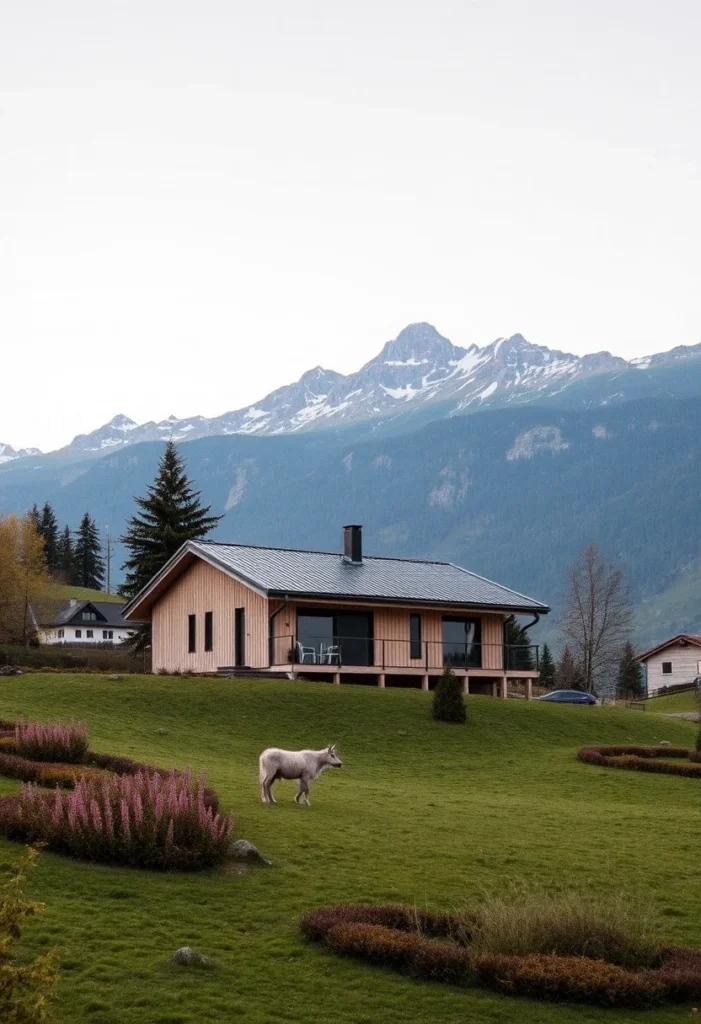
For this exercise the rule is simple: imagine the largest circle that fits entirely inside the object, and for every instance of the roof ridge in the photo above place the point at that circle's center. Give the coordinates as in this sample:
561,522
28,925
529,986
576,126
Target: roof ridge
318,551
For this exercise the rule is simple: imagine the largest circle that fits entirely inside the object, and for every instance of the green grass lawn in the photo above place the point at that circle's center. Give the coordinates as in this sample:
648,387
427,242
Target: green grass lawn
421,812
64,590
672,702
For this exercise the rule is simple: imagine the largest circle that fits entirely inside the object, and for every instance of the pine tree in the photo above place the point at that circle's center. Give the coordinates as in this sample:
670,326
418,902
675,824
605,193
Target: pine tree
88,564
570,675
518,645
35,517
66,569
48,528
448,701
169,515
630,674
548,672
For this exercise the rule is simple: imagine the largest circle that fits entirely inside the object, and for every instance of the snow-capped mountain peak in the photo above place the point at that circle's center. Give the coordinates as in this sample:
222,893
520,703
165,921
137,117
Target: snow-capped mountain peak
418,368
9,454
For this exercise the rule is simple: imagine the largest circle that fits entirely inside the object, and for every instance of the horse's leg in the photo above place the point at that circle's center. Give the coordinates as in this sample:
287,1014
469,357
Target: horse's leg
271,798
303,791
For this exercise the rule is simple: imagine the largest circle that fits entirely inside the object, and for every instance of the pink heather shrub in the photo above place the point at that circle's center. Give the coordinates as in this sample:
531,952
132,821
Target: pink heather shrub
144,820
52,742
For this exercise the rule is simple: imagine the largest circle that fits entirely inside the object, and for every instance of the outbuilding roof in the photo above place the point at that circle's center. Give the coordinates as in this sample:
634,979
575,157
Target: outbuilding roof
327,574
681,638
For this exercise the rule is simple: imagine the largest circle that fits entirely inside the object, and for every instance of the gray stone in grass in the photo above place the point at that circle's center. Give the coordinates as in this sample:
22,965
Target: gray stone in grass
241,849
10,670
664,743
162,732
187,957
115,678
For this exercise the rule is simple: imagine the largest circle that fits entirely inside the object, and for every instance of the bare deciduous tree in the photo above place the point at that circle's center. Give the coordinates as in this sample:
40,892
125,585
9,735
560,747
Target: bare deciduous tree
597,615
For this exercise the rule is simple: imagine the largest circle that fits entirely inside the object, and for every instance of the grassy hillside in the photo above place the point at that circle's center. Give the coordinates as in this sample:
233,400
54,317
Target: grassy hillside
64,590
421,812
674,702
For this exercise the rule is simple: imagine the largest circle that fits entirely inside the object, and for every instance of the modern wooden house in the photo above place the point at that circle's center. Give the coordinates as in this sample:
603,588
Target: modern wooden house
676,662
337,616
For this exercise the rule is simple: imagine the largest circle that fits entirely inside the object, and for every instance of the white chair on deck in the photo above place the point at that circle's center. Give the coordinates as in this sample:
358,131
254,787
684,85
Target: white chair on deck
304,653
331,655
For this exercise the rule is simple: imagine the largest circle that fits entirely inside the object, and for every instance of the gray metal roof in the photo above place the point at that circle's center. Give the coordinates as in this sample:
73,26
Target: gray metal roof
328,574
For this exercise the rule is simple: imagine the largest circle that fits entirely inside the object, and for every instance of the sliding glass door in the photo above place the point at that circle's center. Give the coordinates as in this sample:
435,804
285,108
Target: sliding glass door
328,637
462,642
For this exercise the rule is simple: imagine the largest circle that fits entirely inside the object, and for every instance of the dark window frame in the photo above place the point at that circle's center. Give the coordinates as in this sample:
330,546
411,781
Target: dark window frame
79,634
89,634
192,634
666,668
415,636
209,631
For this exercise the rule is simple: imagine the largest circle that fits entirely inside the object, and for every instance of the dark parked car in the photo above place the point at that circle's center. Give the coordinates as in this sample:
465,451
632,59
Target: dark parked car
568,697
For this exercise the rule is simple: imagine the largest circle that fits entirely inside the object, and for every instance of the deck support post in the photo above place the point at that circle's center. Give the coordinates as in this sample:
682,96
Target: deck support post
466,684
424,682
504,687
337,678
529,689
381,680
494,689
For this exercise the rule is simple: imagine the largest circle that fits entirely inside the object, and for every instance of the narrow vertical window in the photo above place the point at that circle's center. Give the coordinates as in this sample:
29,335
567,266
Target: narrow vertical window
414,635
208,631
191,633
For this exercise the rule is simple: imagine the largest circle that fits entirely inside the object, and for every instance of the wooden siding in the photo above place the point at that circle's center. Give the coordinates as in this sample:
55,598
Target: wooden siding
685,661
200,589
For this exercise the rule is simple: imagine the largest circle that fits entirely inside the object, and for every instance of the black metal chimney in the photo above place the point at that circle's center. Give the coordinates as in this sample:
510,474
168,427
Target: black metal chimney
353,544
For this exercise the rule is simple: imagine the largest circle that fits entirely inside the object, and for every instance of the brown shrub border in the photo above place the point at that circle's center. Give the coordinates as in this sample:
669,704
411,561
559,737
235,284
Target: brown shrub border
643,759
414,941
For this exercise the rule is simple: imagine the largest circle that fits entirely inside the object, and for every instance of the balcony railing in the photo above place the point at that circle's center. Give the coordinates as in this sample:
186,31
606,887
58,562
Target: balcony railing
337,651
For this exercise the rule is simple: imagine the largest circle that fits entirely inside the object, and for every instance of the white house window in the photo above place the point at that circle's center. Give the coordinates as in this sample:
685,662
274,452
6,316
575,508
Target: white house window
111,634
78,634
666,668
107,634
88,616
61,634
88,634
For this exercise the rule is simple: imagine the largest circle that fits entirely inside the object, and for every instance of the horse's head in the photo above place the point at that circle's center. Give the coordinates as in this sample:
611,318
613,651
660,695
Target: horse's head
331,758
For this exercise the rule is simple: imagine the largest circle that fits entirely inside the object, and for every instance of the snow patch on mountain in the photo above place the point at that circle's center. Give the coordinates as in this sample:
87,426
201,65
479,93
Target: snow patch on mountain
9,454
535,441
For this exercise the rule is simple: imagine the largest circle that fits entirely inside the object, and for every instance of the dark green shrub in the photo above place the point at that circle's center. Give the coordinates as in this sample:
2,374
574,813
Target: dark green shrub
448,701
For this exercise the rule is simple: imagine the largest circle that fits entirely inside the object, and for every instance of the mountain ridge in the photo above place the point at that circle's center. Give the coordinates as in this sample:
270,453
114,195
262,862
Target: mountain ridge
420,372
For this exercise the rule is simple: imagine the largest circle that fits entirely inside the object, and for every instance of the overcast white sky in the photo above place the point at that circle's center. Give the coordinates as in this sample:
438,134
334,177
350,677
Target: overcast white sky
200,200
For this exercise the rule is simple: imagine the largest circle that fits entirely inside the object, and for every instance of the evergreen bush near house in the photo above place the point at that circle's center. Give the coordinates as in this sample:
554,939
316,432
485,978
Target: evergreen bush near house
448,701
25,988
548,672
169,515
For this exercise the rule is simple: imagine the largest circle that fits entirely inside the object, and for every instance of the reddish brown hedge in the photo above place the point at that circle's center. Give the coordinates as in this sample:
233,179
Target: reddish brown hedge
392,936
642,759
428,959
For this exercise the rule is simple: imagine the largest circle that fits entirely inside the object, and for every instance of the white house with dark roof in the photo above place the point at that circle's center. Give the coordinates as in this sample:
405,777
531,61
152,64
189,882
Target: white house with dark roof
341,616
676,662
71,621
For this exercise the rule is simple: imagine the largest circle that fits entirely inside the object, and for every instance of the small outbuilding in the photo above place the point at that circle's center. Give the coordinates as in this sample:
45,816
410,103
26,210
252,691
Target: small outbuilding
676,662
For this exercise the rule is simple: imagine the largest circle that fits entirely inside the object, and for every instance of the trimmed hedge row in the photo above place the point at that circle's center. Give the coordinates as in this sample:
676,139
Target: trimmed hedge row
643,759
397,936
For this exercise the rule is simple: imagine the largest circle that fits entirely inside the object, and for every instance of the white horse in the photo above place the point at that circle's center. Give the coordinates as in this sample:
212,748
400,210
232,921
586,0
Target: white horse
305,765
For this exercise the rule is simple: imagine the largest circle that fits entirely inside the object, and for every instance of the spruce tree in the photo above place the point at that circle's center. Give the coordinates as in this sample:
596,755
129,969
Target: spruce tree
66,568
169,515
35,517
570,675
88,564
548,671
48,529
630,674
518,644
448,701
